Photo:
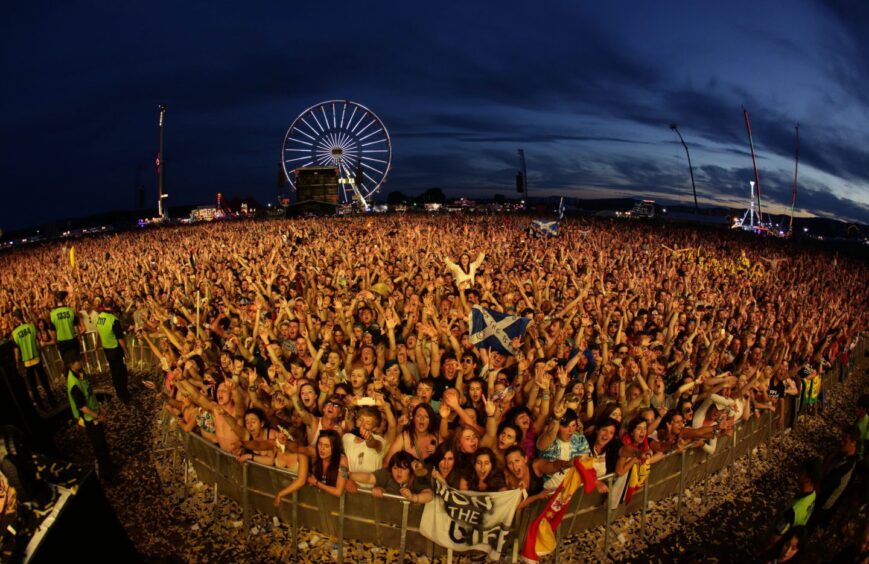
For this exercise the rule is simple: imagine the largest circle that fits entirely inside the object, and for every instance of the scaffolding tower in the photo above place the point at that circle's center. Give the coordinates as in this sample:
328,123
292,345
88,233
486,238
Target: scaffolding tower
751,219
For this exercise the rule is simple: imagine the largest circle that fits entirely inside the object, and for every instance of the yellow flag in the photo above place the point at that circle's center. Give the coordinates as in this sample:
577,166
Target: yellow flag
72,257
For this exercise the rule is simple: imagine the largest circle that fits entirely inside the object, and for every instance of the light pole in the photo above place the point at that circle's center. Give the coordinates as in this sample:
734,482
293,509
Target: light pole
690,168
160,164
523,173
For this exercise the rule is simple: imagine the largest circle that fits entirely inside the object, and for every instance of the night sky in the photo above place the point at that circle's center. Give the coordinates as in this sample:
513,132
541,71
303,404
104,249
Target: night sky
588,89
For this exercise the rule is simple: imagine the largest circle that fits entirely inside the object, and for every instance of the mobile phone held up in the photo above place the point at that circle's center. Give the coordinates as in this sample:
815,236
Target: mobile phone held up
498,396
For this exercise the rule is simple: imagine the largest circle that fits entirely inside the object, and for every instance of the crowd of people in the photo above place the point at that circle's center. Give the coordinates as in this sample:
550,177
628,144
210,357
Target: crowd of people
340,349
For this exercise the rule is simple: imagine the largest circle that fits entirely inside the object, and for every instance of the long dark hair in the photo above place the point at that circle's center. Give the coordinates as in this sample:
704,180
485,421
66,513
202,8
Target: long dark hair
495,480
439,454
479,406
611,449
607,413
510,425
315,410
433,422
629,432
461,267
514,412
331,474
607,422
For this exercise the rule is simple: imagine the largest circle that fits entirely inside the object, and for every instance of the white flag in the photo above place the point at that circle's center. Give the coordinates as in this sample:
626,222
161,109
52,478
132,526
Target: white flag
470,520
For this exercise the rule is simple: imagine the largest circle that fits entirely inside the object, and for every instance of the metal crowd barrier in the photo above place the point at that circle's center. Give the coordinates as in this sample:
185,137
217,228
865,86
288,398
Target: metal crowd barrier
392,521
140,358
388,521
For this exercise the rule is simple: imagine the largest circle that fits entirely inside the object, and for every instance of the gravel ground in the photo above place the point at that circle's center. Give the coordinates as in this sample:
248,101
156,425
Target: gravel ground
722,518
728,515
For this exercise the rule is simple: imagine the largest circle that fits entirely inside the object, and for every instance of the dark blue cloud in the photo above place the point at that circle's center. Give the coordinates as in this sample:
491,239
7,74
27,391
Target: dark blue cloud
587,90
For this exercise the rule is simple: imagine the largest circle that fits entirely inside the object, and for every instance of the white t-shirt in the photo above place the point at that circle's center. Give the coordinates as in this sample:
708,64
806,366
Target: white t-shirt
89,320
600,465
361,458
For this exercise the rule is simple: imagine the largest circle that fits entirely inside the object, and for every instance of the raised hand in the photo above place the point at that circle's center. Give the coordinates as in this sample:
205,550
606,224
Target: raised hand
543,379
563,377
326,386
559,410
489,406
391,320
290,389
451,400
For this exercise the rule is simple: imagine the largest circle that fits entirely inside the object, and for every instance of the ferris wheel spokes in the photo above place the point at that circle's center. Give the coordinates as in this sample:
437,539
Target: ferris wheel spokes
344,135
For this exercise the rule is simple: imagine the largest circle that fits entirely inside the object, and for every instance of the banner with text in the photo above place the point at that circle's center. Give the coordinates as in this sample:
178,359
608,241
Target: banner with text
469,520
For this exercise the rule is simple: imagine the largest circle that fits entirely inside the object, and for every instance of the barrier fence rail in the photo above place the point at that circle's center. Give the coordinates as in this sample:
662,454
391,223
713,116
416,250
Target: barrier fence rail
141,358
392,521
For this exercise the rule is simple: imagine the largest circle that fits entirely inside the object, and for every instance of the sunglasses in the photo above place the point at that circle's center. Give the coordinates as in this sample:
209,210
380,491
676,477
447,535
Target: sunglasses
467,361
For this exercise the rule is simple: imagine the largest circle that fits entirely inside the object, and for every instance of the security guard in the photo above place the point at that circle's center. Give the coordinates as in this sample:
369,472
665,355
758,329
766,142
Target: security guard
27,353
112,339
798,513
87,411
63,321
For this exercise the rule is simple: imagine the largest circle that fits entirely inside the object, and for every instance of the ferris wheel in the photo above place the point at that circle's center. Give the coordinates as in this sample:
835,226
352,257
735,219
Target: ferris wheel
344,135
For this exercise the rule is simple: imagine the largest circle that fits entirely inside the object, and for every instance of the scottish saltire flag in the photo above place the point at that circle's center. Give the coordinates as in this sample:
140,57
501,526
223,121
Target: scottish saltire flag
495,330
549,227
545,227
